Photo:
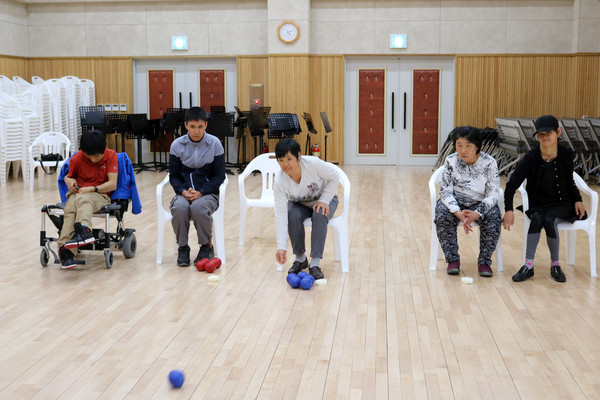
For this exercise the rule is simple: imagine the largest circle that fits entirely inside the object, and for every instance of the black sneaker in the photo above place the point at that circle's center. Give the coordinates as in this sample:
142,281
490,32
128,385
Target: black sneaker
298,266
524,273
83,235
66,258
183,256
557,274
206,251
316,273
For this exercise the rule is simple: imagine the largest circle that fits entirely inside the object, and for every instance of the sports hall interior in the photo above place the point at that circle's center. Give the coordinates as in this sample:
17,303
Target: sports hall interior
389,328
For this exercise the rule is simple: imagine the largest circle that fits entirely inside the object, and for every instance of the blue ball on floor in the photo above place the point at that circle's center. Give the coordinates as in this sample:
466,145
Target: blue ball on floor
307,282
176,378
293,280
302,274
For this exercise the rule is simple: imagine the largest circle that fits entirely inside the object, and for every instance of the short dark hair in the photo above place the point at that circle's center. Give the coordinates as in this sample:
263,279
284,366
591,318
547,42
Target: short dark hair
195,114
287,145
92,142
470,133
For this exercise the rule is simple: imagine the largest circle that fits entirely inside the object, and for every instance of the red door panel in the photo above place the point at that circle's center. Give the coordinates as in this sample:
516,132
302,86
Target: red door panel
212,88
160,95
426,92
371,111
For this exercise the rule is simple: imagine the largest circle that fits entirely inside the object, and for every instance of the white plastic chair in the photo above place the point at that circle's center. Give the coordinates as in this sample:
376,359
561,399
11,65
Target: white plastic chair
338,224
46,143
435,248
588,225
164,216
268,167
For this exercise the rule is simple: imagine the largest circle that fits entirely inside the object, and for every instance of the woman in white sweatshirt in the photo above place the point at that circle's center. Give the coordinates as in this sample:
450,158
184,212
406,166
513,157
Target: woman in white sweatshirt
305,188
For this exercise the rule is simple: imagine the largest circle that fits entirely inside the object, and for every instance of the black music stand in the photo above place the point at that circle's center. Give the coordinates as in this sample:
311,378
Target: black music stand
241,123
283,125
257,123
117,124
328,129
142,128
91,117
217,109
222,125
311,129
174,122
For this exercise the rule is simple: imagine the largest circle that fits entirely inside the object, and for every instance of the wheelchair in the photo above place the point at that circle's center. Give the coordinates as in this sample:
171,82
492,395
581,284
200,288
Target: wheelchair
123,239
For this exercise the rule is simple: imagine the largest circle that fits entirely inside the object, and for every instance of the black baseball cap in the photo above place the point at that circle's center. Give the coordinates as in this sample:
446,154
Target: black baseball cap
546,123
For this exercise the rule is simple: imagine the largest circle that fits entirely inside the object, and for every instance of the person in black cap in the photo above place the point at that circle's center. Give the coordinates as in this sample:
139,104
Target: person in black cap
552,194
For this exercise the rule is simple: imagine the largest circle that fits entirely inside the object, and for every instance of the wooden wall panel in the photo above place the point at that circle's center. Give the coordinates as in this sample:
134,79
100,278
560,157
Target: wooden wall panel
253,69
514,86
326,87
15,66
113,78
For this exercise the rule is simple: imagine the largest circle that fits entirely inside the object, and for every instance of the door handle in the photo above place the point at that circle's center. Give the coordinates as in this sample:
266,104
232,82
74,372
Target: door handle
404,110
190,99
392,110
180,101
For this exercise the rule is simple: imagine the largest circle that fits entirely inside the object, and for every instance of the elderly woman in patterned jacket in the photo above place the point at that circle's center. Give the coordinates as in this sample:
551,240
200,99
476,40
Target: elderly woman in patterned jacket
469,193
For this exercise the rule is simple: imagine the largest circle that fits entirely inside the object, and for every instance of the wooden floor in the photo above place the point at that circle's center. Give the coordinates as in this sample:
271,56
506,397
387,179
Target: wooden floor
388,329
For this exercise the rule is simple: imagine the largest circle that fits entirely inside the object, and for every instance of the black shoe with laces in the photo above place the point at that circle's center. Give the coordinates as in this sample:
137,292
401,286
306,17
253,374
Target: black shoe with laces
298,266
316,273
524,273
557,274
66,258
83,235
183,256
206,251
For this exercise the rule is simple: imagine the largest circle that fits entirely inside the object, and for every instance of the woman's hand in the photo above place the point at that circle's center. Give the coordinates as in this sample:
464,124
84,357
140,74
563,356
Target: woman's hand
579,209
463,217
281,256
508,220
322,207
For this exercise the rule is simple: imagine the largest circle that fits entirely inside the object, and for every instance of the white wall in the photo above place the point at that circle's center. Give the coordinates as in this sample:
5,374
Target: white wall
13,28
234,27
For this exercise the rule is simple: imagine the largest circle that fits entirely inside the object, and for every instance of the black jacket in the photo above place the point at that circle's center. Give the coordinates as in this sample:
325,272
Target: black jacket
530,168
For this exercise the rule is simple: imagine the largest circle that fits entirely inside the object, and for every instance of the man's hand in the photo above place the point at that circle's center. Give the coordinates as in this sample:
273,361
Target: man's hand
191,194
72,185
579,209
321,207
281,256
508,220
87,189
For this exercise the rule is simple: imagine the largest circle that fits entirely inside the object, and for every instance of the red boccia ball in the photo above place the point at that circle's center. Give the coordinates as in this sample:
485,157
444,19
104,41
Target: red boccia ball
217,262
210,266
201,264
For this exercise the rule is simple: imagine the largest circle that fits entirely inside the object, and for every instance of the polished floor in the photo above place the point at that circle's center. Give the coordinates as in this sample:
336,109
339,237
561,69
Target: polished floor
388,329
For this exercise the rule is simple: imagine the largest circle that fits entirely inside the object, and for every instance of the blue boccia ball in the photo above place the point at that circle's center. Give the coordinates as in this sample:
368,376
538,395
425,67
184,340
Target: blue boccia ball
176,378
307,282
302,274
293,280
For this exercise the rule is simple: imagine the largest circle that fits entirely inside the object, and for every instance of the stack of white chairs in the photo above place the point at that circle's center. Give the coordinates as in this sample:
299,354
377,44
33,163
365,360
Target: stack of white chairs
58,98
22,84
7,86
36,80
73,90
88,92
12,137
42,104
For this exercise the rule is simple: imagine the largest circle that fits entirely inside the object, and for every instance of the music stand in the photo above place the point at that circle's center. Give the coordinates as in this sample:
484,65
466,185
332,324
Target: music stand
257,123
283,125
241,123
222,126
311,129
142,128
217,109
328,129
91,117
117,123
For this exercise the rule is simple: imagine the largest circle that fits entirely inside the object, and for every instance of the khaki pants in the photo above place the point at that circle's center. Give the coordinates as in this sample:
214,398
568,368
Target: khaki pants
80,208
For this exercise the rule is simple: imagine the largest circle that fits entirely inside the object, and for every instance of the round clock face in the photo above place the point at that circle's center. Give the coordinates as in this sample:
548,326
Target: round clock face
288,32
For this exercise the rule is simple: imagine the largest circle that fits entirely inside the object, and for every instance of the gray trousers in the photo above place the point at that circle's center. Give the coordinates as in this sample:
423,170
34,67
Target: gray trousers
200,211
297,213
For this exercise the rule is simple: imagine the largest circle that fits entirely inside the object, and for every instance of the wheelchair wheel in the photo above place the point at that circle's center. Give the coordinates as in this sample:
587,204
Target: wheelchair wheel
108,258
129,246
44,258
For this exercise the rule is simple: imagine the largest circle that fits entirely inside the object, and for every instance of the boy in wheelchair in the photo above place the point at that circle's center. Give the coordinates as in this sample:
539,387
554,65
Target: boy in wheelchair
93,174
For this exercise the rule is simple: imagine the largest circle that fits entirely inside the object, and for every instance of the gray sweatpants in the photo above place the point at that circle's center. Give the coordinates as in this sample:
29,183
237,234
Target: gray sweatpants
200,211
297,213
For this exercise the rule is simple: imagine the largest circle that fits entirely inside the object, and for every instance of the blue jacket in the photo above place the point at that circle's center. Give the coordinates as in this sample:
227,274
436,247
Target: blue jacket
126,186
